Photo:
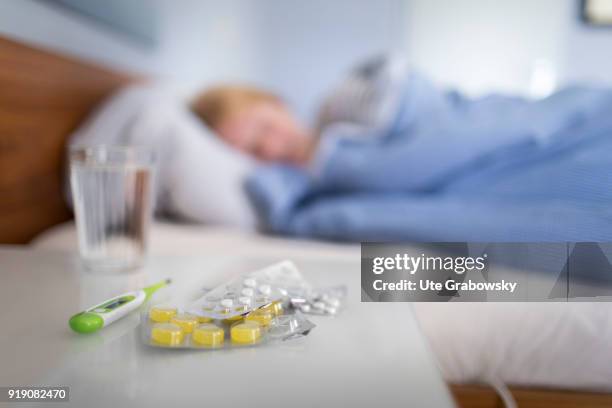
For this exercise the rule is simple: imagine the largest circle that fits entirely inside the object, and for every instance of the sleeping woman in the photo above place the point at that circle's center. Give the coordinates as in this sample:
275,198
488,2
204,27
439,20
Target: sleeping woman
260,124
208,147
386,120
395,157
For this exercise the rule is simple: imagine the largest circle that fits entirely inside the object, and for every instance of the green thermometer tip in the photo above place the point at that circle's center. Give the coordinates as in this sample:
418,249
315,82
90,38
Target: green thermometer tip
149,290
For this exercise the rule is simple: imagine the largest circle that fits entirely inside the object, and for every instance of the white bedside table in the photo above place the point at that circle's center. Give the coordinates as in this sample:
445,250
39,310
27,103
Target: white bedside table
369,355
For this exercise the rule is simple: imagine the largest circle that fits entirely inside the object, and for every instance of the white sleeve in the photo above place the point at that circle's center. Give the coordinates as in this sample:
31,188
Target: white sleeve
368,95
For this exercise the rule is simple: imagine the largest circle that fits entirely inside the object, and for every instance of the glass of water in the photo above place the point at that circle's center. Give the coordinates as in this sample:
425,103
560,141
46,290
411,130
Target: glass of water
112,192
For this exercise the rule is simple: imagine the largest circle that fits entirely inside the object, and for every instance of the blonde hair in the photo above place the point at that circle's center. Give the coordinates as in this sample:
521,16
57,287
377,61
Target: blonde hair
216,104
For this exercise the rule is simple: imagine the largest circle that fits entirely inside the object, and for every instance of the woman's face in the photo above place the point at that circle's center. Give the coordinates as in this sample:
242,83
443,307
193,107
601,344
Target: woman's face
267,131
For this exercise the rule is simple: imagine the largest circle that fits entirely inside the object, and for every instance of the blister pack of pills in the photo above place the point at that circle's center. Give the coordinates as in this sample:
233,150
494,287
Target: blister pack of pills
320,301
249,292
170,327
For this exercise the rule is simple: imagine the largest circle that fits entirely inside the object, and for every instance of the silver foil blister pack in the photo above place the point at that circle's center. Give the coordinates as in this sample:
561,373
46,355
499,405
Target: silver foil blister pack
248,292
259,307
319,301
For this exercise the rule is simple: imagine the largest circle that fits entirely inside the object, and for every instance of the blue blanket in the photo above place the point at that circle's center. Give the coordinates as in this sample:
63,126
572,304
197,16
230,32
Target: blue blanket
448,168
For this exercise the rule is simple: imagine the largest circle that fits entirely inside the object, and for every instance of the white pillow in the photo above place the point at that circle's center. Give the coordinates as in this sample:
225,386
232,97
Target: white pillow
198,176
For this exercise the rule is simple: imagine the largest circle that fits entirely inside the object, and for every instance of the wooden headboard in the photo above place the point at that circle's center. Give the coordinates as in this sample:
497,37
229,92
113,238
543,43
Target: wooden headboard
43,98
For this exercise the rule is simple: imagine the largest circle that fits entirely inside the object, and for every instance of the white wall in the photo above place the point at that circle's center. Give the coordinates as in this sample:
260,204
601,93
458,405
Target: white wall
299,48
199,41
205,41
308,45
481,45
588,51
40,24
519,46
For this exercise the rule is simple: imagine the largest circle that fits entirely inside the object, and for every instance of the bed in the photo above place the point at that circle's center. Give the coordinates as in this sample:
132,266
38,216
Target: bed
44,96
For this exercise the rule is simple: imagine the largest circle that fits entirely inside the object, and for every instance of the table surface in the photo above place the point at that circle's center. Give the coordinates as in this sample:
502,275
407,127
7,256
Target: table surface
371,354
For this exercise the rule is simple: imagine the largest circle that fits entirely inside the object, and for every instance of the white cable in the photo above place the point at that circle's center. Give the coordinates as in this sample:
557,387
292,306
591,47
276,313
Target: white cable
502,390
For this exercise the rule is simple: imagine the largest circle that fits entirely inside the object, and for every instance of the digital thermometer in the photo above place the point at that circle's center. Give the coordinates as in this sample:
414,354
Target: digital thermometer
105,313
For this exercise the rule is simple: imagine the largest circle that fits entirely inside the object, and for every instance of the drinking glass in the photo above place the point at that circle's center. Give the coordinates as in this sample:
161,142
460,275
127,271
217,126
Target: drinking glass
112,192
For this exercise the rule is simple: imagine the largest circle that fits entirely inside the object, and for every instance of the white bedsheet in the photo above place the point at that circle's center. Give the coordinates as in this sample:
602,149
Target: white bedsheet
566,345
558,345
